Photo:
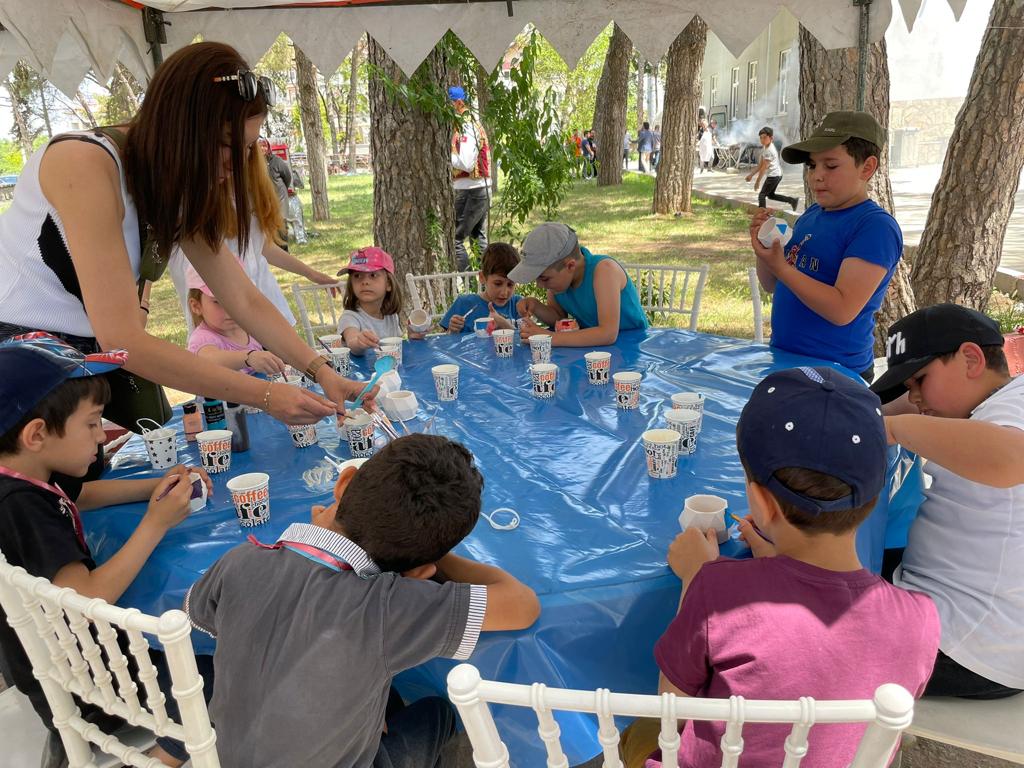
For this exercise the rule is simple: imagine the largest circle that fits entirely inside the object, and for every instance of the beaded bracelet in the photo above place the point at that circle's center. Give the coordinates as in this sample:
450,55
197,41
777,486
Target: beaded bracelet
266,398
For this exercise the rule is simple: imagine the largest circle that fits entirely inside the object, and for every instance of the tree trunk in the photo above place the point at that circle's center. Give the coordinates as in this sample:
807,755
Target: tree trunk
413,204
828,82
18,111
350,107
679,119
610,108
332,124
962,241
639,92
313,131
46,110
483,98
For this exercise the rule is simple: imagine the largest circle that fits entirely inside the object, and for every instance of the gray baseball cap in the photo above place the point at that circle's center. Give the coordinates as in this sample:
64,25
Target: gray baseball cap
546,244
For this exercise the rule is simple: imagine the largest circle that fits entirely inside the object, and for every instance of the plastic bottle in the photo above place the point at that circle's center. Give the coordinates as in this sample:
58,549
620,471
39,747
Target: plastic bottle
213,412
239,427
192,421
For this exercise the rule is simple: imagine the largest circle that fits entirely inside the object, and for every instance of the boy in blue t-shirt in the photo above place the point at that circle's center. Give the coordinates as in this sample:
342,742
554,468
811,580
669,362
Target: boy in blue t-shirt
830,280
497,298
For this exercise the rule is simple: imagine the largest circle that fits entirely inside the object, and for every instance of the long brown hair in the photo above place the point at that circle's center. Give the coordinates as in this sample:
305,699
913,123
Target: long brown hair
172,155
391,305
262,198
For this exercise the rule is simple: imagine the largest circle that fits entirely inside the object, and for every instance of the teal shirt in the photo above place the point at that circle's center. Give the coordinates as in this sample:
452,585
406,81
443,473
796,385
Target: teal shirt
581,303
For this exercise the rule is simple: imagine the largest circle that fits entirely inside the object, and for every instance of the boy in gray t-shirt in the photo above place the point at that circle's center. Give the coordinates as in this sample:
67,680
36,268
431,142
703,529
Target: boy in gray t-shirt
311,630
771,166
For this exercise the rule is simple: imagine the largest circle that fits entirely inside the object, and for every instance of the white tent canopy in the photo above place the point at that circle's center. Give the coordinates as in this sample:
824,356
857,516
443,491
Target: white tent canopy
64,39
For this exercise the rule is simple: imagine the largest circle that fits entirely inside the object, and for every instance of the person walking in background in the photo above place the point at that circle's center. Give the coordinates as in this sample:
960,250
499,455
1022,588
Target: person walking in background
656,147
281,175
705,146
644,145
626,143
769,164
471,173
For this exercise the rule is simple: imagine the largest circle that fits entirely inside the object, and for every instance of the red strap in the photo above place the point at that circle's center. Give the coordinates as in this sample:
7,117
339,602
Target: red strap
307,549
65,501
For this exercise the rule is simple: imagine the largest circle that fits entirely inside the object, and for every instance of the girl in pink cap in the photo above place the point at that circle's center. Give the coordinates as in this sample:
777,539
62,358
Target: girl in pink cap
373,301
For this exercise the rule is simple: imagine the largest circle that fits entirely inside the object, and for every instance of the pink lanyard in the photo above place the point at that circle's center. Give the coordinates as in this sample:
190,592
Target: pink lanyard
305,549
66,503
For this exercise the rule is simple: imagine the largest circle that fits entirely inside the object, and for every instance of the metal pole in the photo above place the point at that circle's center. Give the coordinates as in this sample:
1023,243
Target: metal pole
153,27
862,51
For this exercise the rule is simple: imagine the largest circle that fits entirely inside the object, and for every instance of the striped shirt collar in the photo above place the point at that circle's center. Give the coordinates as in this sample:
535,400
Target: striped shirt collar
333,543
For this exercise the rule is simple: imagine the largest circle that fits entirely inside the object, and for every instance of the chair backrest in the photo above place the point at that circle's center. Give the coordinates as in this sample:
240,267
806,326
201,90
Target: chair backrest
669,290
320,308
886,715
435,293
75,647
755,298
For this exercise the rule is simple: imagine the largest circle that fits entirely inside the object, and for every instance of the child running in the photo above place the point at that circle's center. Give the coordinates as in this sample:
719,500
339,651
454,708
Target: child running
373,300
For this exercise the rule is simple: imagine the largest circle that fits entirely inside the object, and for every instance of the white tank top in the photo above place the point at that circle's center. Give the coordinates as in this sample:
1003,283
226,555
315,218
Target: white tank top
38,285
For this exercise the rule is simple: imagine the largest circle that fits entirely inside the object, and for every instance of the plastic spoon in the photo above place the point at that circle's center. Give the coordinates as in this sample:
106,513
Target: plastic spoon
382,366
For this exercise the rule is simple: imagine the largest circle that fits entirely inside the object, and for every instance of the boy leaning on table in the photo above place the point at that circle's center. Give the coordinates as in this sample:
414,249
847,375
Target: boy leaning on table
50,425
311,630
804,617
956,406
497,298
593,289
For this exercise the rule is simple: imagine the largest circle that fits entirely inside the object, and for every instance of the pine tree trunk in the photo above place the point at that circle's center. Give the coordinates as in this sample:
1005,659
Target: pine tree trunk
962,242
350,107
679,119
413,204
828,82
332,124
313,131
610,108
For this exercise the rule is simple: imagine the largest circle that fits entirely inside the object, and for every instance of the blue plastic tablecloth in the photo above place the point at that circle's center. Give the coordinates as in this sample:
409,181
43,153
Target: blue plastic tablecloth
595,528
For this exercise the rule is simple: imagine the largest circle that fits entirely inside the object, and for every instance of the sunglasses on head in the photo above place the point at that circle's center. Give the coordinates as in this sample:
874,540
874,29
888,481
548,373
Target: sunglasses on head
249,84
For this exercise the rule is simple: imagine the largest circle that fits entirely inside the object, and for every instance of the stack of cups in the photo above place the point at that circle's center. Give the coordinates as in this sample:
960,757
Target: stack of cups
540,348
544,376
599,365
694,401
341,360
627,389
160,444
661,447
303,435
504,342
360,435
333,341
446,381
250,493
215,449
687,423
391,346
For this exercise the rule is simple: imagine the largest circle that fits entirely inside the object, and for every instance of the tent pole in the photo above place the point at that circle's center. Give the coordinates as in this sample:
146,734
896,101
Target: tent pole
153,27
862,51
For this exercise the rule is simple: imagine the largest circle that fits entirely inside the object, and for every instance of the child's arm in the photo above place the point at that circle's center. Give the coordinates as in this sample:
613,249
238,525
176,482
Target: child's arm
257,359
111,579
609,280
108,493
761,168
510,603
549,313
765,276
979,451
356,339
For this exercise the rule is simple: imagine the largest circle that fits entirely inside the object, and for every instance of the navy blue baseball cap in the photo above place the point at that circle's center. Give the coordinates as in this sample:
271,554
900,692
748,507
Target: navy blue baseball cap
34,364
457,93
819,419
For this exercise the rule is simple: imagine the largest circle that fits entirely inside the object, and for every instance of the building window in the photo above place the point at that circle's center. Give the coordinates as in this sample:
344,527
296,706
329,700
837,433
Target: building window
751,87
714,91
734,93
783,82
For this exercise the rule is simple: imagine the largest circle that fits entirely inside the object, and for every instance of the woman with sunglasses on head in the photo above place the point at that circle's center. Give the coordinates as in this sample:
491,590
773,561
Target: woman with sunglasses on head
92,218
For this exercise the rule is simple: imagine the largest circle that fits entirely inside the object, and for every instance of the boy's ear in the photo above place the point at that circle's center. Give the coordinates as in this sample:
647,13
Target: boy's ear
974,356
867,170
32,436
764,502
343,480
422,572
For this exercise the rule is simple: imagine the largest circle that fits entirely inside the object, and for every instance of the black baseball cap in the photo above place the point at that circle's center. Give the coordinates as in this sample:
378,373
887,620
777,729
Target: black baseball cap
818,419
920,337
835,129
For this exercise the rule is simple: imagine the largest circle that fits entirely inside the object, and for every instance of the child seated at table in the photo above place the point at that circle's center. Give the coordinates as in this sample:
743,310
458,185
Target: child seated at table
373,301
311,630
497,292
829,281
804,618
216,336
593,289
50,424
965,415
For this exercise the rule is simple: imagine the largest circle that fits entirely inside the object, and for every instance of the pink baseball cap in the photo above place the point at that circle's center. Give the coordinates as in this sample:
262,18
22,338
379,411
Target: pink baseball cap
369,259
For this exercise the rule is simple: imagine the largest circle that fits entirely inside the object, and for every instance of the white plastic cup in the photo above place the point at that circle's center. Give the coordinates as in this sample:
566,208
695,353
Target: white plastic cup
341,360
199,492
333,340
504,342
705,512
775,228
693,401
599,366
446,381
161,445
687,423
215,450
401,404
419,321
627,389
540,348
250,493
544,377
360,435
661,448
481,327
303,435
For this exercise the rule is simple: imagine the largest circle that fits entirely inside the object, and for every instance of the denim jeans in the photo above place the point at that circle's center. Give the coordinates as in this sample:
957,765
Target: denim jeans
416,733
470,221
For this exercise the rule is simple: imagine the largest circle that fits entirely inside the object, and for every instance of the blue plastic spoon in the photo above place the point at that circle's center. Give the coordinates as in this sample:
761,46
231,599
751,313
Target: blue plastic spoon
382,366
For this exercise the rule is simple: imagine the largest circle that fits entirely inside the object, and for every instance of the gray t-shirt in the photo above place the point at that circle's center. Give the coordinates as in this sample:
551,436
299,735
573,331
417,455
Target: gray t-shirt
305,652
771,154
389,325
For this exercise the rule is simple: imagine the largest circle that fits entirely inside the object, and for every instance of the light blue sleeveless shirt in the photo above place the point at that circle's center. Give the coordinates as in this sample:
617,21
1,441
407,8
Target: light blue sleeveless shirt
581,303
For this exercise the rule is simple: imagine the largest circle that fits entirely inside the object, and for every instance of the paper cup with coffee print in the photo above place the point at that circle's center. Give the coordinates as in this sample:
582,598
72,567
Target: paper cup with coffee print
215,450
250,493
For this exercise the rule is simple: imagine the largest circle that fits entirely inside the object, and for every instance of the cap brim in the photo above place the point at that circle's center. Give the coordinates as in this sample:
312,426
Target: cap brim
798,153
97,368
525,273
890,384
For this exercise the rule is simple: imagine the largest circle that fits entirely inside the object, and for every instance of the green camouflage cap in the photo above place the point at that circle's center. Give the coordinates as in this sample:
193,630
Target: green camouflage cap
835,129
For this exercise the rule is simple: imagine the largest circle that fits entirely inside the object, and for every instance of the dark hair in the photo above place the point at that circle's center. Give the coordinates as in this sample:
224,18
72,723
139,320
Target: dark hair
861,149
412,502
392,304
647,126
499,259
766,131
57,407
172,155
995,358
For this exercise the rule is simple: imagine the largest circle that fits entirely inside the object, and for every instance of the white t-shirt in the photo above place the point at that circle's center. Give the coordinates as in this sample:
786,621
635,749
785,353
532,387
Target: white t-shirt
384,327
771,154
966,550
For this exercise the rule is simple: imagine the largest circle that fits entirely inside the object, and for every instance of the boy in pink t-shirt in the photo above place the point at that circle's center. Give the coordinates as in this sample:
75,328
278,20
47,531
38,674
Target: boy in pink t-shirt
804,618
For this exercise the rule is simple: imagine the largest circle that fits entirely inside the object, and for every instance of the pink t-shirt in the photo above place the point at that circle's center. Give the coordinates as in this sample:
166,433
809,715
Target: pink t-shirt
204,336
779,628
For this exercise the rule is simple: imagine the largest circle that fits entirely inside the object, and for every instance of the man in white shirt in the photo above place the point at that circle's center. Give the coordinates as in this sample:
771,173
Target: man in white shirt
769,164
471,173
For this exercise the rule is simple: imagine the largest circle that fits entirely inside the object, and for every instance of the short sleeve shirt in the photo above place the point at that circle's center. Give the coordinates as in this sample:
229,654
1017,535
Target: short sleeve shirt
291,631
389,325
205,336
771,154
478,305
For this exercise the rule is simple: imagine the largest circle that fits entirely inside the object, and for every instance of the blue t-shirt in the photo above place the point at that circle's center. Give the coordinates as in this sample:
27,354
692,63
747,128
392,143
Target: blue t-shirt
821,240
469,301
581,303
645,141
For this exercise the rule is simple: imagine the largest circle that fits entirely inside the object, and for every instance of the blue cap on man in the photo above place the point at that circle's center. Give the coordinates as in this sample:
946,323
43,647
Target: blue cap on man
457,93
